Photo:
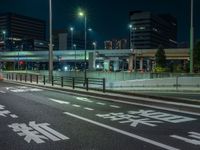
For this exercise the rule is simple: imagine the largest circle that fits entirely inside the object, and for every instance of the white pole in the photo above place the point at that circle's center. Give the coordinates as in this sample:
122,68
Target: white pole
51,43
191,38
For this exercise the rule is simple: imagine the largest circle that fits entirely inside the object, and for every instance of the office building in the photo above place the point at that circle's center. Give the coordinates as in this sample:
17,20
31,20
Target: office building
150,30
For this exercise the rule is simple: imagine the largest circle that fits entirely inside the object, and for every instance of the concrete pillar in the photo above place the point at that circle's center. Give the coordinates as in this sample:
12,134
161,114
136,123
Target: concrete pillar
130,62
141,63
148,65
116,65
106,65
92,60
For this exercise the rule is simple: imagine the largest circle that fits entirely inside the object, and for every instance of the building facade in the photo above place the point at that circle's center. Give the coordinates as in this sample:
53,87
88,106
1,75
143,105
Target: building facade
15,28
149,30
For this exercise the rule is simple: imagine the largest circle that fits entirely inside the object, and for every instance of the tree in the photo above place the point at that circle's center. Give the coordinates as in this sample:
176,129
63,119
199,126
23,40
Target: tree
160,57
197,56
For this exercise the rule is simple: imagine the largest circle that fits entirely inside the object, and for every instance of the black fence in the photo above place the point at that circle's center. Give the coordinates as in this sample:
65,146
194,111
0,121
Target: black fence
64,81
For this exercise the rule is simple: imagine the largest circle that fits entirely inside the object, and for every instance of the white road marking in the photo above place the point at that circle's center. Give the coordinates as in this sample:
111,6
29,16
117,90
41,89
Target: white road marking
37,132
125,102
2,92
76,105
88,108
58,101
114,106
14,116
152,142
194,135
84,99
99,103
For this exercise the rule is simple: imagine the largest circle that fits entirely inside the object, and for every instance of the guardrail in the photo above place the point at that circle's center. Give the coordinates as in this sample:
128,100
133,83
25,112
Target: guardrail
62,81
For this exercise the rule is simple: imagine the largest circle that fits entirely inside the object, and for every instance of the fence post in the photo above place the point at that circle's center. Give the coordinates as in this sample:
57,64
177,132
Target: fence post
73,83
44,80
31,78
16,77
7,76
87,84
37,79
25,78
12,76
104,85
52,82
20,77
61,81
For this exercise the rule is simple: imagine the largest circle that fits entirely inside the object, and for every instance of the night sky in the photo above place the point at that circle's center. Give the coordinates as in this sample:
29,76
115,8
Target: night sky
108,18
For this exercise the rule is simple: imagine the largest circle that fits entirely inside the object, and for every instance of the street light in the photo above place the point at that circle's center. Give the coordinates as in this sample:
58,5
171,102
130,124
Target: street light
74,47
50,42
130,30
191,38
82,14
95,45
72,36
4,34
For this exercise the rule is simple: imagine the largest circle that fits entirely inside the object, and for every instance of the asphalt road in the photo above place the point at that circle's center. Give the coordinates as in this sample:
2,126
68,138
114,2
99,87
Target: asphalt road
38,119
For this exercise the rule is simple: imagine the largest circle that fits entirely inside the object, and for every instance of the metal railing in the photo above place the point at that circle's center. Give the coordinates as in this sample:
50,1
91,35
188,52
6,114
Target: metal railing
62,81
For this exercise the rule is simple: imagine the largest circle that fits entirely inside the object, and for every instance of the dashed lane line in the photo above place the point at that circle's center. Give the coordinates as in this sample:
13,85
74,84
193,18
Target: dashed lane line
149,141
58,101
2,92
78,106
90,109
114,106
99,103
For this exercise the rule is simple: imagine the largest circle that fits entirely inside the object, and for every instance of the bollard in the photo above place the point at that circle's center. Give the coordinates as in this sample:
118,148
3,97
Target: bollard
73,83
61,81
52,82
87,86
44,80
37,79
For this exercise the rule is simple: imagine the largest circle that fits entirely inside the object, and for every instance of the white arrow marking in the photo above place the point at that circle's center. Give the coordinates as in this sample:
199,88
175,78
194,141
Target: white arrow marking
114,106
88,108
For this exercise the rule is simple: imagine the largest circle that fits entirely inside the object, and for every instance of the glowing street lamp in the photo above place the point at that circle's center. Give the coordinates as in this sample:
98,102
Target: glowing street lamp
72,36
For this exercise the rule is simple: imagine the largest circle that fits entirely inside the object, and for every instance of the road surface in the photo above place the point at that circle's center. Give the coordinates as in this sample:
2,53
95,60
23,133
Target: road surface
38,119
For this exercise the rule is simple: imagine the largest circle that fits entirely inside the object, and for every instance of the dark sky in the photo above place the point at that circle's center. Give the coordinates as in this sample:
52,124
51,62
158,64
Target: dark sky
108,18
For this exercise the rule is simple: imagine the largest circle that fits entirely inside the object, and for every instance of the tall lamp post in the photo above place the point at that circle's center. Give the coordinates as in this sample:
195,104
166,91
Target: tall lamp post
191,38
95,45
74,47
50,42
130,41
72,37
82,14
4,38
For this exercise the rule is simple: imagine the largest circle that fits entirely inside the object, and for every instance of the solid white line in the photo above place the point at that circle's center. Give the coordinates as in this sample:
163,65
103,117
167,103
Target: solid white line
14,116
76,105
152,142
114,106
58,101
88,108
99,103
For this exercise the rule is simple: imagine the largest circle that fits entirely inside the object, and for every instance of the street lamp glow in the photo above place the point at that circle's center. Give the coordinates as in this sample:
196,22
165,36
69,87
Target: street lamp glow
130,26
90,29
71,29
4,32
81,14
